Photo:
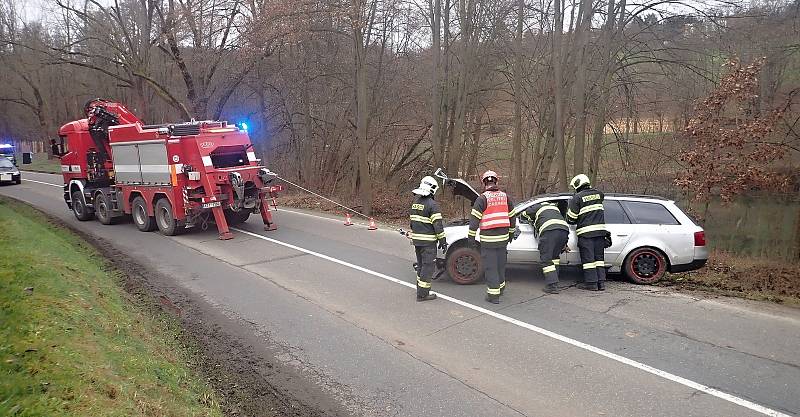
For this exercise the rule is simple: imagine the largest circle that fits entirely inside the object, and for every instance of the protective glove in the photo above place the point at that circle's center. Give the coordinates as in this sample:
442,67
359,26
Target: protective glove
608,242
443,245
516,234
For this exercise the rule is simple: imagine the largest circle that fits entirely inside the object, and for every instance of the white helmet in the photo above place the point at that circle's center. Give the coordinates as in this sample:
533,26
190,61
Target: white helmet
579,181
427,186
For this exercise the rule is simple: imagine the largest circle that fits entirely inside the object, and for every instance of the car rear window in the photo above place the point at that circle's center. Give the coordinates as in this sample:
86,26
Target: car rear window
613,213
649,213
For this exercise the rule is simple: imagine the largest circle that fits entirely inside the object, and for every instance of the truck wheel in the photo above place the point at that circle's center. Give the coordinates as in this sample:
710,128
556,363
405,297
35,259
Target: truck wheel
464,265
142,221
235,218
165,219
82,212
102,209
645,266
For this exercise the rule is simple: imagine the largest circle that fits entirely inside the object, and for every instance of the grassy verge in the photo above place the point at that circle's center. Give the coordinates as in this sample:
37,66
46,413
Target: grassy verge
744,277
40,163
72,342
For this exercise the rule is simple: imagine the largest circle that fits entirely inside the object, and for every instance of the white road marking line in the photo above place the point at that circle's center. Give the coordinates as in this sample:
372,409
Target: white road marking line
45,183
613,356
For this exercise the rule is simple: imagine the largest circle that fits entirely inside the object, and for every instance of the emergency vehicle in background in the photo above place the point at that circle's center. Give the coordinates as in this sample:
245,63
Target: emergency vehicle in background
170,177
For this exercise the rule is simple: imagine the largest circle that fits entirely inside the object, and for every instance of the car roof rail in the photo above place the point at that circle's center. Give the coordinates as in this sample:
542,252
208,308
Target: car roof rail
652,197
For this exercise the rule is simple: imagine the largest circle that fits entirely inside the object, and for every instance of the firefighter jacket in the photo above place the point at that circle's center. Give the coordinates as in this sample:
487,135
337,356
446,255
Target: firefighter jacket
586,212
491,213
543,217
426,222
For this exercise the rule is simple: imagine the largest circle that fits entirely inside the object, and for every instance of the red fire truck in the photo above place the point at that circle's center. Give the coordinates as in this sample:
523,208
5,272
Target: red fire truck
170,177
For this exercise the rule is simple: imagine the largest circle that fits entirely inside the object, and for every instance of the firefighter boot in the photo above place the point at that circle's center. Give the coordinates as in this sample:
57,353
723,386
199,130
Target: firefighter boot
428,297
601,285
551,288
494,299
590,286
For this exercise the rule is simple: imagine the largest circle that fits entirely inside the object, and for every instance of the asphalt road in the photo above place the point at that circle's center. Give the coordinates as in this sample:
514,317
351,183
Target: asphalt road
338,305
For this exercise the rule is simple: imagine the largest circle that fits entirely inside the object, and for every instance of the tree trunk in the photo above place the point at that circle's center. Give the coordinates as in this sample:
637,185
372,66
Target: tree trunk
436,101
605,91
516,151
584,25
558,81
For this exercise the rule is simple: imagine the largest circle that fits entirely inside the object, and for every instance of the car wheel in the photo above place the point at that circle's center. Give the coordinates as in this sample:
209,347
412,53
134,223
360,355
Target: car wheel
142,221
18,181
102,209
645,266
235,218
464,265
82,212
165,219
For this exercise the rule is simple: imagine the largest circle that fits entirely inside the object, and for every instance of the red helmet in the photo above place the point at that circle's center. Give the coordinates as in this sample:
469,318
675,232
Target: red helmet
489,174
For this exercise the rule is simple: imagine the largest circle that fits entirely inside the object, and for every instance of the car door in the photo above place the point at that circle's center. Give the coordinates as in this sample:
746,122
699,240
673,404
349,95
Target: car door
622,230
523,249
656,226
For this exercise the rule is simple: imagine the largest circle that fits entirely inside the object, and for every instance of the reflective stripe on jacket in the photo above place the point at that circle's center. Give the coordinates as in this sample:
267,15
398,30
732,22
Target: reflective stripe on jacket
495,215
498,235
543,217
426,222
586,212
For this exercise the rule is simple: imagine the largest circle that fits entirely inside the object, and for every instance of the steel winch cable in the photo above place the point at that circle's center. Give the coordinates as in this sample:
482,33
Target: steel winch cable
325,198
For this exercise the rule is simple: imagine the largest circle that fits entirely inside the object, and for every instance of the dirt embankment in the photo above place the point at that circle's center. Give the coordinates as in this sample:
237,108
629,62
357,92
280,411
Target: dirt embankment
737,276
230,354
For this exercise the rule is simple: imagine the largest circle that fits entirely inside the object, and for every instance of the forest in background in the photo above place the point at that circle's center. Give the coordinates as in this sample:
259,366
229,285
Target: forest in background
697,101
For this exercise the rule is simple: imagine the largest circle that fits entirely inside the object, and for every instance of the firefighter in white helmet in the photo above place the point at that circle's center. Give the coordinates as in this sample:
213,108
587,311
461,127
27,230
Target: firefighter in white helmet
490,214
426,232
586,212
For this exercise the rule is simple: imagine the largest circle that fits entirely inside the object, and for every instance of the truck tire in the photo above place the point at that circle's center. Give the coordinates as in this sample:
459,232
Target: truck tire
464,265
165,219
142,221
82,212
235,218
102,209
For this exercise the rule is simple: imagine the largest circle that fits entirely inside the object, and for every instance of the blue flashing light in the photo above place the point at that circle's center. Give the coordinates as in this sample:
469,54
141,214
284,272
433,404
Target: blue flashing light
244,126
6,145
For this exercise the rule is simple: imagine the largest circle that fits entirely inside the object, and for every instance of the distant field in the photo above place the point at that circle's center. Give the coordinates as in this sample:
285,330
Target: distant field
73,342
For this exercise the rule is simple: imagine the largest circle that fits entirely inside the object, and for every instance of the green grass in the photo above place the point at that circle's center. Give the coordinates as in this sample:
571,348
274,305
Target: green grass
77,344
40,163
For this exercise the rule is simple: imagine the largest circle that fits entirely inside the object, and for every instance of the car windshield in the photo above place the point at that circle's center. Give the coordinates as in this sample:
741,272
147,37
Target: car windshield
6,163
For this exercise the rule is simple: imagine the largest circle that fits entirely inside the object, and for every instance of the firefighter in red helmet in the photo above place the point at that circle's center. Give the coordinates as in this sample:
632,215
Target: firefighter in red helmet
490,214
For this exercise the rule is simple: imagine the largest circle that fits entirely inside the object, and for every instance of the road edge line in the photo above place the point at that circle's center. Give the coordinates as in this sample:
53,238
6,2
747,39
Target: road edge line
576,343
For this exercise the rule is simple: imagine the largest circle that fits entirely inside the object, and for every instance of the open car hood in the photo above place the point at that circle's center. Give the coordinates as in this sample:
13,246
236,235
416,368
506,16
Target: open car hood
462,188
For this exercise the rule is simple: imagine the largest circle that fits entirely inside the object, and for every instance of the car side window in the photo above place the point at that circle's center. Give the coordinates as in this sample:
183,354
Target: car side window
613,213
649,213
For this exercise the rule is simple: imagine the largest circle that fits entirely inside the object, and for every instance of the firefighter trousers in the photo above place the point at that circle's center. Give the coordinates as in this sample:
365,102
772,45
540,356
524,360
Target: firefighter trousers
592,251
551,243
494,268
426,267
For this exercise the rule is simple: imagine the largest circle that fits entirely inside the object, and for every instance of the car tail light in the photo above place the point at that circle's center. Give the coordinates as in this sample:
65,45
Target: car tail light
700,238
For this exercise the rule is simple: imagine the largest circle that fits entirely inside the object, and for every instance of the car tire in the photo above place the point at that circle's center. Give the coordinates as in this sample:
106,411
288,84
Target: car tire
645,266
142,221
102,209
165,219
464,265
18,181
82,212
235,218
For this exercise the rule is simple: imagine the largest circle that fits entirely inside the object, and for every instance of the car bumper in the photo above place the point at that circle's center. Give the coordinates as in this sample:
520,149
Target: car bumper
9,177
691,266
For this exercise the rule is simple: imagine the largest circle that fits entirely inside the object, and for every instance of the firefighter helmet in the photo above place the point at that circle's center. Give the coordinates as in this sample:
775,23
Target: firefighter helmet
427,186
487,175
579,181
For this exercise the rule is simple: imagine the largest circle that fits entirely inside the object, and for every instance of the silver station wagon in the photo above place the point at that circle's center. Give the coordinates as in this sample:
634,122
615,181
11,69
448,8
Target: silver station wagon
650,235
